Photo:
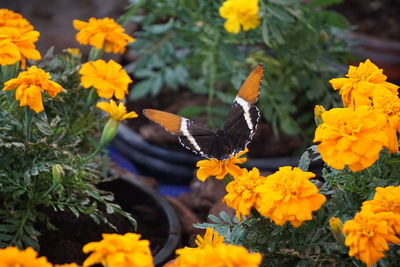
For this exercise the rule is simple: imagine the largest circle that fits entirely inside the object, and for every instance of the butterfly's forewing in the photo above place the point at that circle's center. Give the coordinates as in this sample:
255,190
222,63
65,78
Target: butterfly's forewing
192,135
243,116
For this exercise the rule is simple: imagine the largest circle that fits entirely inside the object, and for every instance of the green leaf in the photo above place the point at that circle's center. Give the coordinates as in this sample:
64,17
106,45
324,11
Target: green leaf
324,3
192,111
334,19
140,89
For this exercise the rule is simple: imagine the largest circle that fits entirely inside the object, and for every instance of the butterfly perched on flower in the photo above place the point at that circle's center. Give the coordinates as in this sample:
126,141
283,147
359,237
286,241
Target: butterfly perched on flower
231,138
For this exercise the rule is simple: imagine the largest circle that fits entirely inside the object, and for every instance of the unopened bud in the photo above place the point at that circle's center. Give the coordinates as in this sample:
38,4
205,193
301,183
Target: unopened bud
318,110
58,173
336,226
110,130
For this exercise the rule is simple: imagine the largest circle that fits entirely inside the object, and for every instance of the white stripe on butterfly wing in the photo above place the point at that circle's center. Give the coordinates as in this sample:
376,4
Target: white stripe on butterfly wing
246,108
188,135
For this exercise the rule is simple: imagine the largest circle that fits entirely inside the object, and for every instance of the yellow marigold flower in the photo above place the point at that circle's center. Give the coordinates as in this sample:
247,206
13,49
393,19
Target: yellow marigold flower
119,251
29,85
352,137
211,238
389,104
117,113
109,78
288,195
358,88
220,168
17,46
67,265
241,194
368,235
222,255
12,19
103,34
13,257
240,13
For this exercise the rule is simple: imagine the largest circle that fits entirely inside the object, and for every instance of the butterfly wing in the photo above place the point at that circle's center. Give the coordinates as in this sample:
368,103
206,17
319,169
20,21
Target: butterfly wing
192,135
243,116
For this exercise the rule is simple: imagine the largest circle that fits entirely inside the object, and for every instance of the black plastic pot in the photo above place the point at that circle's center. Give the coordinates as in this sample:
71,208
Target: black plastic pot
128,192
177,166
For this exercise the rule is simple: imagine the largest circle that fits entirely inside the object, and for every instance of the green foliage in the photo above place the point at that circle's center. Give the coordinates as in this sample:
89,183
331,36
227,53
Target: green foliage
32,144
183,44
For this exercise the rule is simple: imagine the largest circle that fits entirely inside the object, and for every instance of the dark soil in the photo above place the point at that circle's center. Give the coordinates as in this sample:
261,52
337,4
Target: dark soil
65,244
377,18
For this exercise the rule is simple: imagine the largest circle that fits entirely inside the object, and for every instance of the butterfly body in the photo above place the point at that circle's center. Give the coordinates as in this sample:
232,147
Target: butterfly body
231,138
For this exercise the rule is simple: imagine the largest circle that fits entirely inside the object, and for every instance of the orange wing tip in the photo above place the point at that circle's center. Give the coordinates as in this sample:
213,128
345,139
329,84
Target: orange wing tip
169,121
250,89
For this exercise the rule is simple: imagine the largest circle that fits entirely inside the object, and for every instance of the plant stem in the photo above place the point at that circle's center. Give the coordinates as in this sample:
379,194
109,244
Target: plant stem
212,73
28,118
91,99
95,54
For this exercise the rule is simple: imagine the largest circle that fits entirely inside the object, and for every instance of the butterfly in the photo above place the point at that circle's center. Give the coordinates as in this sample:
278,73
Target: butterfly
230,139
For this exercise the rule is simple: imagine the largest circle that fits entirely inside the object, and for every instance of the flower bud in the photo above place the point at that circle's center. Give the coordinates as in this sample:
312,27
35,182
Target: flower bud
110,130
58,173
318,110
336,226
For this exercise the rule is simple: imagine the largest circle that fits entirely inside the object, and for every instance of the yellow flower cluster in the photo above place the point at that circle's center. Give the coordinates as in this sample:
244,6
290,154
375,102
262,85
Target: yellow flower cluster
17,39
11,19
355,135
375,226
215,253
284,196
103,34
362,81
29,85
289,196
119,251
109,78
116,112
220,168
352,137
241,192
13,257
240,14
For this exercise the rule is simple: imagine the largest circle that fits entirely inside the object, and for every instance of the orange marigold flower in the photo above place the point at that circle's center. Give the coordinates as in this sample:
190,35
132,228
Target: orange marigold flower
29,85
241,194
358,88
12,257
211,238
119,251
240,13
117,113
386,199
17,46
220,168
103,34
389,104
109,78
220,255
352,137
9,18
288,196
67,265
368,235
